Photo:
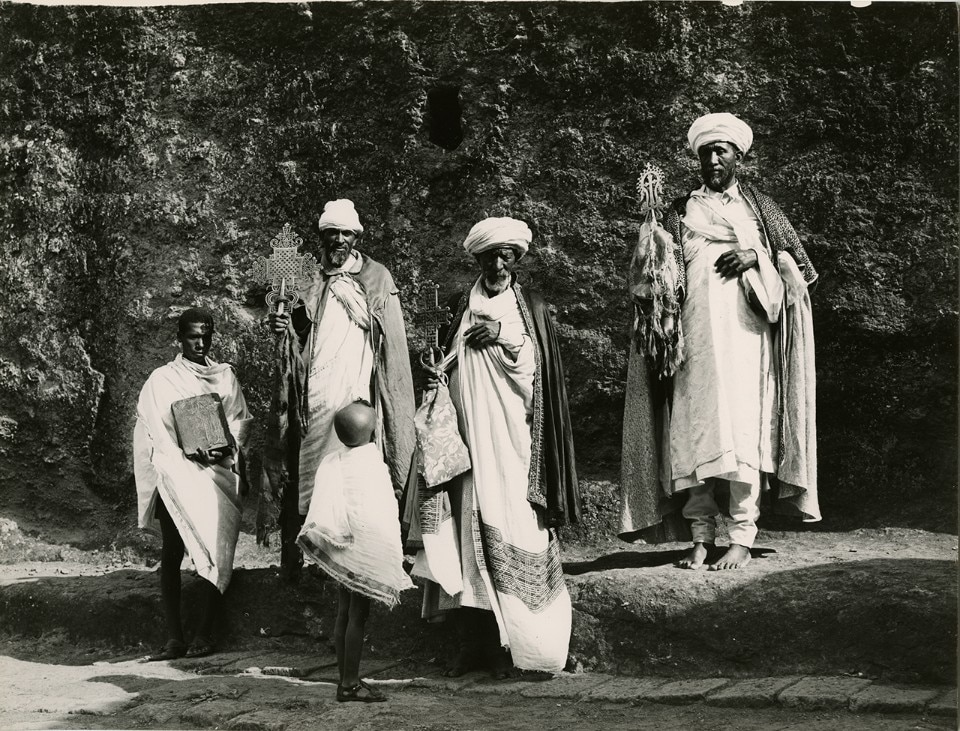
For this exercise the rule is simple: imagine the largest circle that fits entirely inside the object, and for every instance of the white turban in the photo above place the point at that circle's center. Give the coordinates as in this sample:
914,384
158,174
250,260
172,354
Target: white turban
340,214
720,127
493,232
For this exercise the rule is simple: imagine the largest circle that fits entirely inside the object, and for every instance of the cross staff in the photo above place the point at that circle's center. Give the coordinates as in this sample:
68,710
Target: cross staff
650,190
284,270
431,317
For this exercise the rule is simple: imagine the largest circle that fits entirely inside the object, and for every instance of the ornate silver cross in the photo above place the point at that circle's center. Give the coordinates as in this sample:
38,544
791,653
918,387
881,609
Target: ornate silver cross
650,190
431,317
285,270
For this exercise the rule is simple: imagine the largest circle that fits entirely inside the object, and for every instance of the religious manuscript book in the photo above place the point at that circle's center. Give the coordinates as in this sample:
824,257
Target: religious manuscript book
201,423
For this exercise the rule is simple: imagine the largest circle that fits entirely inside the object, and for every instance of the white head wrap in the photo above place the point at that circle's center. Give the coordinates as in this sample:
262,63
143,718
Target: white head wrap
340,214
720,127
493,232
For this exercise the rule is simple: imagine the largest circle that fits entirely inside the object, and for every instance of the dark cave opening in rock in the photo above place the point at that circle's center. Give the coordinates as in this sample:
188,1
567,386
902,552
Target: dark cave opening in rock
444,115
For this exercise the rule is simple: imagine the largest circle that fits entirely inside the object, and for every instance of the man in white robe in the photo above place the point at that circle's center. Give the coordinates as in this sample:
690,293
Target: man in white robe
350,343
509,588
193,502
724,439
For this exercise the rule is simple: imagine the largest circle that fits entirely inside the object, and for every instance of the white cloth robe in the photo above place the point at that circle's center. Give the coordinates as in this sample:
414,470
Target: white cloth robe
492,389
340,364
724,417
203,501
352,528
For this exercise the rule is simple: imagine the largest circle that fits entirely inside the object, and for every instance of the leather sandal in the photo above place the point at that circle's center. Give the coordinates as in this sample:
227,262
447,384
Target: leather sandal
359,693
172,650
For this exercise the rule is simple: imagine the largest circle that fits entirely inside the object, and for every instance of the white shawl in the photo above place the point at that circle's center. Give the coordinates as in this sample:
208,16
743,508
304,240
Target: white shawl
204,501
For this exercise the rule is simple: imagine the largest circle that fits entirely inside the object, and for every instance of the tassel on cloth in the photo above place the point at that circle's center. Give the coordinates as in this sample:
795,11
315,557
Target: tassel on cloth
653,289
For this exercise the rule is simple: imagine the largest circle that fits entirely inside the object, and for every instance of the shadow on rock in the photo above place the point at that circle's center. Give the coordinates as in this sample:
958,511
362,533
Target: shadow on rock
644,560
131,683
893,619
122,609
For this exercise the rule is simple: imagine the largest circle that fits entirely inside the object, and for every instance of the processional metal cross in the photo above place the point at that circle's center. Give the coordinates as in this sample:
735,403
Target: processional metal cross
431,317
650,190
285,270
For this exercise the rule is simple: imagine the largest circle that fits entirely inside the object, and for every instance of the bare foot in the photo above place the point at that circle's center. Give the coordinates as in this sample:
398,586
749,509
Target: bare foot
736,557
695,558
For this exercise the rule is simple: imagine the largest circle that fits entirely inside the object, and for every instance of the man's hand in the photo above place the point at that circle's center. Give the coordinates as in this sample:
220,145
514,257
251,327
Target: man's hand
732,263
202,457
433,378
278,323
482,334
207,457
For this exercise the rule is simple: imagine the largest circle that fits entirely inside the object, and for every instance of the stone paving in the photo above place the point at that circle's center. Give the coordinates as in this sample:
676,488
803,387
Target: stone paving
854,694
275,692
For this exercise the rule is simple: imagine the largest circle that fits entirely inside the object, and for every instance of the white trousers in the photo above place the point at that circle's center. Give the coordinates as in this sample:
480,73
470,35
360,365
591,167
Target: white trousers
744,508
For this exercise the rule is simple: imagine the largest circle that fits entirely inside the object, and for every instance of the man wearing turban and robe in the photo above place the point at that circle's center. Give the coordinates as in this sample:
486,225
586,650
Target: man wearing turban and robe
345,340
495,556
743,408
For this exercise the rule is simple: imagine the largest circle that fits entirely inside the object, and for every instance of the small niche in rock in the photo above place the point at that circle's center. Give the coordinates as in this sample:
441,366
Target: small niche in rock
443,117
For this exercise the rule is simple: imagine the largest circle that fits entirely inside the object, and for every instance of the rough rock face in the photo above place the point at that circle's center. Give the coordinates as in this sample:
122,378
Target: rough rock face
148,156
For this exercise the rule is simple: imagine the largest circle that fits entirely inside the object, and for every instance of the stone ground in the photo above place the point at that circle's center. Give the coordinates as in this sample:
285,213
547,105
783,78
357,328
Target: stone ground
823,630
243,691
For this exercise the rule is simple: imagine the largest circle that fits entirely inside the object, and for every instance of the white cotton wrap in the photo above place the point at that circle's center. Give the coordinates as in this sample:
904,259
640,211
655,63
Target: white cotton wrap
340,214
720,127
204,501
493,232
352,528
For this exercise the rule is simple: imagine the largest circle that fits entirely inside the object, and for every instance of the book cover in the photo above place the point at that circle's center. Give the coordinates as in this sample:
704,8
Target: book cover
201,423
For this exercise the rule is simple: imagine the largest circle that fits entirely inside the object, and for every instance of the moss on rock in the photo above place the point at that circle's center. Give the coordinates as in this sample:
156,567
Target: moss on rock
147,156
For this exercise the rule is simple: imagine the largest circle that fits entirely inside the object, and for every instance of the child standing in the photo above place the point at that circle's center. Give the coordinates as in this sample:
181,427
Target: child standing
352,531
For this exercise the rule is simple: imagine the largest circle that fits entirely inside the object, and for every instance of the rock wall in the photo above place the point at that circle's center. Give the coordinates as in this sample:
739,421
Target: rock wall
147,156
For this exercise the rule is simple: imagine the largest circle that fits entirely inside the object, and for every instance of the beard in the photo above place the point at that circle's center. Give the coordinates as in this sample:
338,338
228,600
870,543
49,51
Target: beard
717,179
497,283
338,256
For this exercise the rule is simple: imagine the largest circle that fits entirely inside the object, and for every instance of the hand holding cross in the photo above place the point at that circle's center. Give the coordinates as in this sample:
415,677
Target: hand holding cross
285,270
431,317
